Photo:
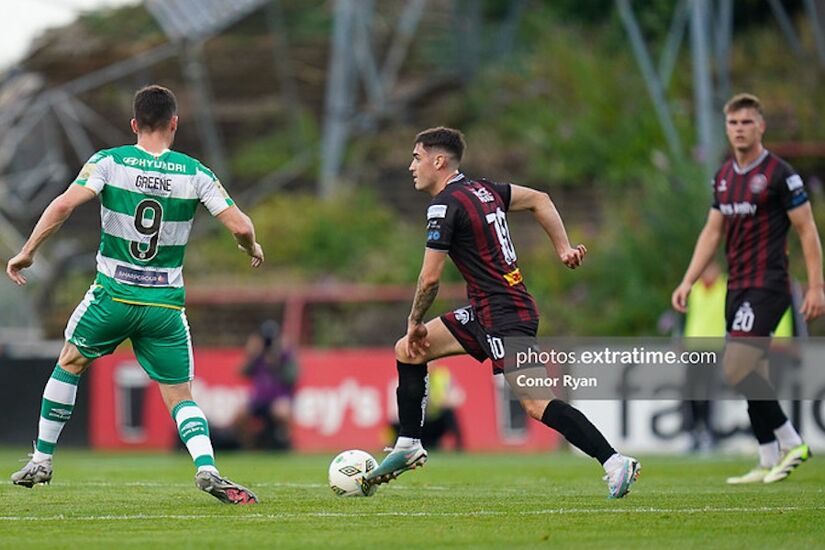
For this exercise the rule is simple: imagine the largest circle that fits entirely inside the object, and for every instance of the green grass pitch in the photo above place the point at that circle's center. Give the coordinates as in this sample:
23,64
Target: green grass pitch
494,501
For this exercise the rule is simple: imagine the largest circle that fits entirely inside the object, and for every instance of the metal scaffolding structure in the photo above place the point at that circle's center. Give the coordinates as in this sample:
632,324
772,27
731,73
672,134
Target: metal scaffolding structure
352,56
33,166
361,87
710,23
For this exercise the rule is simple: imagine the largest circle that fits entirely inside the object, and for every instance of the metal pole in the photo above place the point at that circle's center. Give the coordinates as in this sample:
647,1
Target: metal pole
118,70
702,85
97,124
724,33
339,98
283,68
509,28
404,34
816,28
78,138
467,23
364,57
195,73
673,43
786,26
654,85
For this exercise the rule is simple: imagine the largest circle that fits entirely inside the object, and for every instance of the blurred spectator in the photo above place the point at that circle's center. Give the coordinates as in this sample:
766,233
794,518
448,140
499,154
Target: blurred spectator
440,419
272,370
705,318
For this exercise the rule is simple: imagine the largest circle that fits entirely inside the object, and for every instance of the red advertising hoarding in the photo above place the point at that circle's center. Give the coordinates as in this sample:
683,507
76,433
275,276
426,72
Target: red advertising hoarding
343,399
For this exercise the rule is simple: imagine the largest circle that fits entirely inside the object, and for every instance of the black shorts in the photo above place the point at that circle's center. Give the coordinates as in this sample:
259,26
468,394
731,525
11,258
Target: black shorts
754,311
483,343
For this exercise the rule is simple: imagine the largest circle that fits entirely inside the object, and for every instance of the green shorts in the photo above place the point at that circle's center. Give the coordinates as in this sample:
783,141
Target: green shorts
160,335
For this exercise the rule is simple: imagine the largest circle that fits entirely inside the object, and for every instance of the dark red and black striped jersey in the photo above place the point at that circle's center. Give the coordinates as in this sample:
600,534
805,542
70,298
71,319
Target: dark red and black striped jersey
468,220
755,201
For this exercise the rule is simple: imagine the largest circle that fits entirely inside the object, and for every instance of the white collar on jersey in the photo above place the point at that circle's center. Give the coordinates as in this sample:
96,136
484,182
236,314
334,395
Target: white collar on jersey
151,153
751,166
458,177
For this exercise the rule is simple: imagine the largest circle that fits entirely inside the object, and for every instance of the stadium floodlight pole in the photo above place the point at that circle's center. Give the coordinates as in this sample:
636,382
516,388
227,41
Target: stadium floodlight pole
723,34
467,21
509,28
48,165
402,38
702,85
340,96
816,28
364,57
786,26
96,123
119,69
38,193
13,136
78,138
21,191
195,73
673,43
286,77
23,91
654,85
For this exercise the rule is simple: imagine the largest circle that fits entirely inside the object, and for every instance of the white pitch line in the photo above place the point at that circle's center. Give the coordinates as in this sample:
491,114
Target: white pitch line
477,513
179,484
285,484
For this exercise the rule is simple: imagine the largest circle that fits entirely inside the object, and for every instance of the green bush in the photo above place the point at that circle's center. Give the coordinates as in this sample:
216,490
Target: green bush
349,237
634,261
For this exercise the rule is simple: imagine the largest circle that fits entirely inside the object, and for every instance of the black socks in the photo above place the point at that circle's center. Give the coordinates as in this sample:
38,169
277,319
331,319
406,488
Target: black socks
412,398
765,413
577,429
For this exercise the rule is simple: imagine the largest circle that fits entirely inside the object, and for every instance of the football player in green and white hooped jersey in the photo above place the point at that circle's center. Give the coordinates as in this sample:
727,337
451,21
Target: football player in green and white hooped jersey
148,196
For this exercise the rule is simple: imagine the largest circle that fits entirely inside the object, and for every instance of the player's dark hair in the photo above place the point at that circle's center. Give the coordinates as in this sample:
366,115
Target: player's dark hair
743,101
448,139
153,107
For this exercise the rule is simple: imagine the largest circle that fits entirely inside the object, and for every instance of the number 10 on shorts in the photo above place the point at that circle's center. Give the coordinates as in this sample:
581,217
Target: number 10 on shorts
496,346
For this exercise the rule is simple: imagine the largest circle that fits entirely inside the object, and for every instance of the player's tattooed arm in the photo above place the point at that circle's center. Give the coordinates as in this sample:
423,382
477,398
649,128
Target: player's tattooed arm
428,282
425,294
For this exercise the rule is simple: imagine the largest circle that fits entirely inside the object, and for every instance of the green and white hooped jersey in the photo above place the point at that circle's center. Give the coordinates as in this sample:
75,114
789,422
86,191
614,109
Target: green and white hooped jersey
147,204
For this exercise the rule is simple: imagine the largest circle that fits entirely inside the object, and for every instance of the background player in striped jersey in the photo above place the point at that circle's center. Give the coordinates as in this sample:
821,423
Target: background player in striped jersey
466,220
756,198
148,195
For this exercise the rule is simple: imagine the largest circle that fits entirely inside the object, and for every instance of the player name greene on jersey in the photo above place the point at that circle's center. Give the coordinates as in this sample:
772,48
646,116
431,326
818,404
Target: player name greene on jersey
147,205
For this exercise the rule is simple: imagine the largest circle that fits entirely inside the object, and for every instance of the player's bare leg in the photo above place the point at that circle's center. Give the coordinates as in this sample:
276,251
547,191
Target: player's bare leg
408,453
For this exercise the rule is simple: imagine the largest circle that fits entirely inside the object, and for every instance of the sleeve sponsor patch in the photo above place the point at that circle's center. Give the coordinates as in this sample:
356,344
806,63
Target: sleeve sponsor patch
794,182
436,211
86,172
221,190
